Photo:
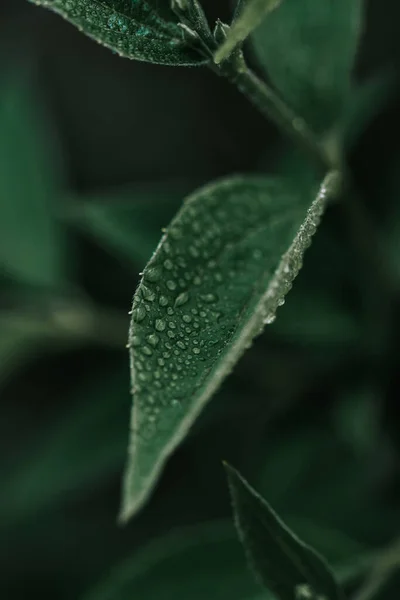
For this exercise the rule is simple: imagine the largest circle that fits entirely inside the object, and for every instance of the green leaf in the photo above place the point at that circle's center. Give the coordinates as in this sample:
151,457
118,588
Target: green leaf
358,419
204,561
87,444
307,48
31,248
128,222
248,15
310,473
217,277
366,102
283,563
133,29
316,319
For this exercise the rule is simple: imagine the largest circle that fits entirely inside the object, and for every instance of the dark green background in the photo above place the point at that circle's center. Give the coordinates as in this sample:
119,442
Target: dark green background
309,415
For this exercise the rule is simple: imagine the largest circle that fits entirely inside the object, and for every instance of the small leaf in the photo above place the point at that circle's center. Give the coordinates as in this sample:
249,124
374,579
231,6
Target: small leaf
283,563
128,222
200,562
307,48
133,29
31,248
217,277
248,16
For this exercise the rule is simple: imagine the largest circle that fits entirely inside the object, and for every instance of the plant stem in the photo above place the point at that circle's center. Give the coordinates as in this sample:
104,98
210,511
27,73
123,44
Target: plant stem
274,108
388,561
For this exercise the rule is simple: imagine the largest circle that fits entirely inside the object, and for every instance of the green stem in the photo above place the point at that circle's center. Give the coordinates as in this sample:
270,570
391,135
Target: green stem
274,108
325,157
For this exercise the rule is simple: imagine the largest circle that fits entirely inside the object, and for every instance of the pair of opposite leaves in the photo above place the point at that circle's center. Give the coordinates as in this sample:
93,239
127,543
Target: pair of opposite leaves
230,255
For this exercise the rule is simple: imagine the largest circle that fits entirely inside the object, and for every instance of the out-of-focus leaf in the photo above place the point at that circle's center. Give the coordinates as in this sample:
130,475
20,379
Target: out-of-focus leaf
365,103
218,276
86,445
132,29
15,345
307,48
128,222
248,15
317,319
311,474
390,234
31,243
357,418
205,561
283,563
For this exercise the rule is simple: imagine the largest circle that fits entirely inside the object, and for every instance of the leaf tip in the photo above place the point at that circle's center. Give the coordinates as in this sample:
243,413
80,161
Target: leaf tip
233,477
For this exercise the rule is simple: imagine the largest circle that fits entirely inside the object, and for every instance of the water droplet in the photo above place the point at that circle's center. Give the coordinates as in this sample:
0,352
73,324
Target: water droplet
153,339
209,298
139,313
160,324
196,226
269,319
182,299
168,264
196,350
181,345
147,293
143,31
163,301
136,341
147,351
197,280
171,285
175,233
171,334
194,252
170,311
153,274
175,403
187,318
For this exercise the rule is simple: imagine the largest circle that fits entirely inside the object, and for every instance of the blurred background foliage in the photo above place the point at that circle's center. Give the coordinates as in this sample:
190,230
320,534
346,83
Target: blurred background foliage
96,155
